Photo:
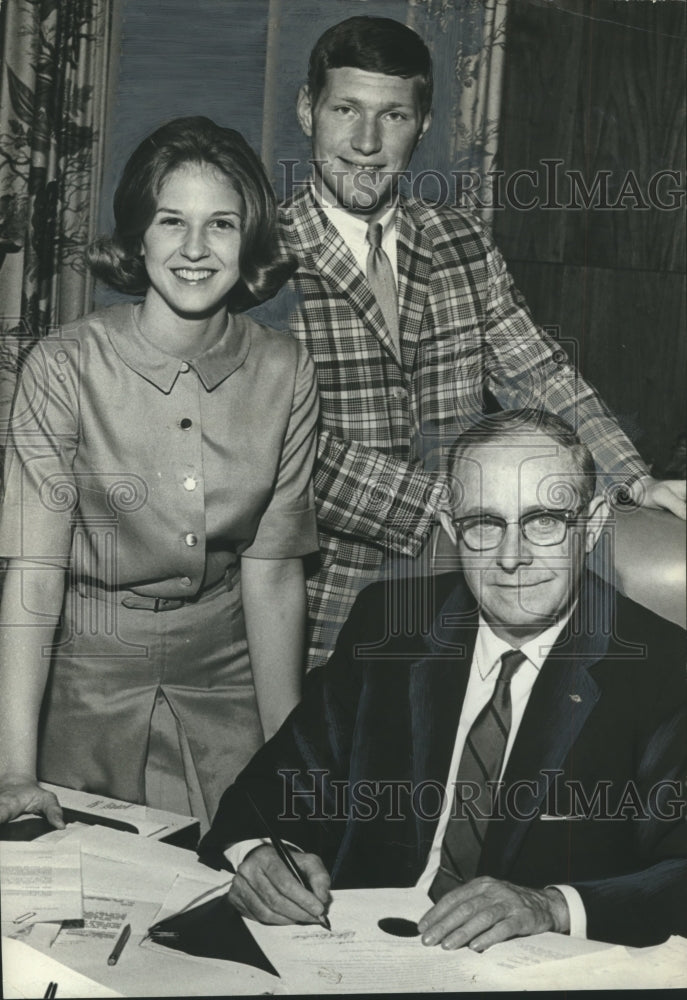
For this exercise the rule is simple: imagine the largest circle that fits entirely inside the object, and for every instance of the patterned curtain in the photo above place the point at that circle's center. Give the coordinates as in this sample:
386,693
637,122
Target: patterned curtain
56,57
467,39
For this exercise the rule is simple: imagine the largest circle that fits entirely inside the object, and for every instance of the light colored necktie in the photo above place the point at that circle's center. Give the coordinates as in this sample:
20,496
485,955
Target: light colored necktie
380,276
480,762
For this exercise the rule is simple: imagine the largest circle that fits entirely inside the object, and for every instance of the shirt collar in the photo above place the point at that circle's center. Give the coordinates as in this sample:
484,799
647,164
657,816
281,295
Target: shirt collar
353,228
489,648
154,365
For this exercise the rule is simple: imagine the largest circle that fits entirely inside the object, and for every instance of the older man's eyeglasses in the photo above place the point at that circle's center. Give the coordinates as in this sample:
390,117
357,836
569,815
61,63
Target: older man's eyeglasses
482,532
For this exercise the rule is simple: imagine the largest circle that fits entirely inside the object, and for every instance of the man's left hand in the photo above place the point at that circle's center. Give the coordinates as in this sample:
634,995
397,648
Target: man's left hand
669,494
485,911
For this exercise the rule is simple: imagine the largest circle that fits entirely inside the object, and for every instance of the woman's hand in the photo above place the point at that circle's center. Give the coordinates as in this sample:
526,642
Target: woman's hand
24,634
24,795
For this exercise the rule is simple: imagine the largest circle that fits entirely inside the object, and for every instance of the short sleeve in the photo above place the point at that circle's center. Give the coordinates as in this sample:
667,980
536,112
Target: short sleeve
288,526
40,495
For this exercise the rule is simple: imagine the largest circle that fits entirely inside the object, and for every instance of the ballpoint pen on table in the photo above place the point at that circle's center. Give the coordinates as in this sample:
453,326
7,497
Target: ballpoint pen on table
285,855
119,947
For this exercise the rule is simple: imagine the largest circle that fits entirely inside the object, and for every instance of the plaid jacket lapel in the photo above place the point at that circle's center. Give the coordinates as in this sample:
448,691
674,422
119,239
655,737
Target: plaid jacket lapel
323,251
337,265
414,258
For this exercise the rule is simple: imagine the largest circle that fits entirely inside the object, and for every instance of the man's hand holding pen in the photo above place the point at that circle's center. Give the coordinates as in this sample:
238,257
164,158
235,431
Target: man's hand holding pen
265,890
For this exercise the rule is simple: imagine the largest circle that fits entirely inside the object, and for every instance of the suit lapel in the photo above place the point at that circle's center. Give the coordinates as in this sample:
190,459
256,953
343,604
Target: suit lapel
337,265
437,690
414,262
321,249
561,701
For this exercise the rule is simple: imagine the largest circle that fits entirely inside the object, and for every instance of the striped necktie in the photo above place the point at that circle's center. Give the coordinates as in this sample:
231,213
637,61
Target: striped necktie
380,276
481,761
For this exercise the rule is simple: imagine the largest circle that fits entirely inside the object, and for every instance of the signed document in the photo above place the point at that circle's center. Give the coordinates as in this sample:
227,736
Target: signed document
359,956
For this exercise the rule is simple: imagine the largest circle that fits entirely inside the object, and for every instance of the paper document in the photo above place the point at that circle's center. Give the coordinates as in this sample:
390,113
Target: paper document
40,881
103,920
148,822
359,957
187,892
27,972
121,865
104,842
661,967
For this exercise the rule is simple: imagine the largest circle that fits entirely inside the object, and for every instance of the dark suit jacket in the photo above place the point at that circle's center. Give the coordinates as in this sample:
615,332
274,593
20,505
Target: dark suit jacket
603,738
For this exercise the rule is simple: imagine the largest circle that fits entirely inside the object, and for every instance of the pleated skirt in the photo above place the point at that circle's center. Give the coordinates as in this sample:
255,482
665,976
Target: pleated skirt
150,707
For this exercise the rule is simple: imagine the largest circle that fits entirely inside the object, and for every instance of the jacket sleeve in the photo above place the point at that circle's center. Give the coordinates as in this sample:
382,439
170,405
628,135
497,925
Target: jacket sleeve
365,493
646,906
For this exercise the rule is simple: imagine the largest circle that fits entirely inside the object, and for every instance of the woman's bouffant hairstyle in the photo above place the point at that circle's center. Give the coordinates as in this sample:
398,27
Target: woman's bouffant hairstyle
117,260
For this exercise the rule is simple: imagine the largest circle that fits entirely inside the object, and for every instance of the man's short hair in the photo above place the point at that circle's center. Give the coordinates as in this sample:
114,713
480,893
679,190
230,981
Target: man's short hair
521,423
374,44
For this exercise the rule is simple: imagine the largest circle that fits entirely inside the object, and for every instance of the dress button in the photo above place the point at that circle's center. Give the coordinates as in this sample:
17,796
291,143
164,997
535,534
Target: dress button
190,483
185,423
191,539
184,367
185,581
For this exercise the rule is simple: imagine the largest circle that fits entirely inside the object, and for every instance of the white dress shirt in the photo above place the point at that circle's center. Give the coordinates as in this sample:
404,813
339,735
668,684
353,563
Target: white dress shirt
481,683
353,231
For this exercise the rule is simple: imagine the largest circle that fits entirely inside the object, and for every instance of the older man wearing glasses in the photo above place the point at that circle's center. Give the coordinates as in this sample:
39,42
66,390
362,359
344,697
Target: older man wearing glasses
519,751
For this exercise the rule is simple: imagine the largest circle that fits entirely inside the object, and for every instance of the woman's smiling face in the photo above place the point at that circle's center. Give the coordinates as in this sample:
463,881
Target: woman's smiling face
191,247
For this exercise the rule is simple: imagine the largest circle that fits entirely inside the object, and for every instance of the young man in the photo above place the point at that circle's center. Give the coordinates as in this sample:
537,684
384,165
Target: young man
537,683
410,337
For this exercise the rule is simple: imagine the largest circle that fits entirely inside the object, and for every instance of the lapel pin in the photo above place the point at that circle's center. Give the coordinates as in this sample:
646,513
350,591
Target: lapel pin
576,698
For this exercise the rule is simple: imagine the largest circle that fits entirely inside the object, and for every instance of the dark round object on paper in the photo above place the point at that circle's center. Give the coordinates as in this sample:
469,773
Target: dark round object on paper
399,926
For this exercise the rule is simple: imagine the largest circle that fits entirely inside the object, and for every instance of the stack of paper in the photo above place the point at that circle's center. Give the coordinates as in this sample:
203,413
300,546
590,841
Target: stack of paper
40,882
125,880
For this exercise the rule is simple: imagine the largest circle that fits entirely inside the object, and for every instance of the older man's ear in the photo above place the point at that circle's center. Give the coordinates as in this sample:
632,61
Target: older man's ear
446,522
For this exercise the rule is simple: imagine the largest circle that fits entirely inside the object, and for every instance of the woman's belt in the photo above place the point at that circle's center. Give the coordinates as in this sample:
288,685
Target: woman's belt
144,602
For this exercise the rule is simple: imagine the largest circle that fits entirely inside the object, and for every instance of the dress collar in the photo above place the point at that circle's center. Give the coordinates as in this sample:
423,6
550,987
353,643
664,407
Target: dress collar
212,366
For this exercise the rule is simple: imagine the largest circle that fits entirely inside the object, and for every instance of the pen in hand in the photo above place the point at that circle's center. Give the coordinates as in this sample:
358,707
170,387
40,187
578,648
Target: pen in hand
285,856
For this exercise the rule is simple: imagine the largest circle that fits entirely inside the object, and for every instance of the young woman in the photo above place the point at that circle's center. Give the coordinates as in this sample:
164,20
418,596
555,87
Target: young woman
158,501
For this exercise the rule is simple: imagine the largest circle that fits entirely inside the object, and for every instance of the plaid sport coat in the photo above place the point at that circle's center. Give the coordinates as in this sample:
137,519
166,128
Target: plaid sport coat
385,425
